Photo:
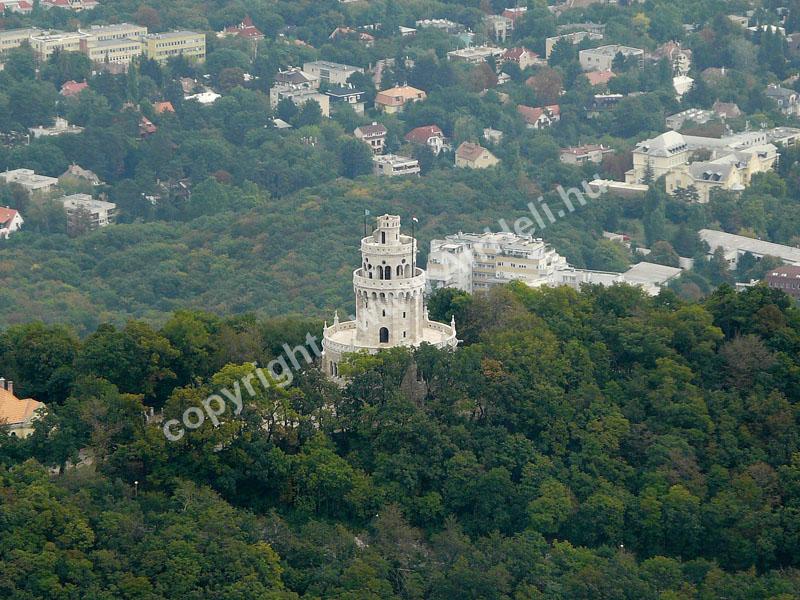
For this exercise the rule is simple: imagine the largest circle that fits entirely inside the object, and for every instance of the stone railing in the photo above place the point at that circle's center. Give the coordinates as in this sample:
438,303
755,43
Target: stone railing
401,283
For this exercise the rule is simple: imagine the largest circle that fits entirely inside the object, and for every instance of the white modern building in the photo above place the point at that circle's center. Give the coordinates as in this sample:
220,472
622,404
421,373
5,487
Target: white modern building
99,213
602,57
330,73
476,262
392,165
28,179
390,310
735,246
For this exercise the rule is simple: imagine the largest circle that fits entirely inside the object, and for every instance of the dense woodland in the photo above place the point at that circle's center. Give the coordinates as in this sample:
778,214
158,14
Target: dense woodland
598,444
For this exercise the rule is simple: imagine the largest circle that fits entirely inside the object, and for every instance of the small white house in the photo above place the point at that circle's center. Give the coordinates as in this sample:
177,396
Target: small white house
10,221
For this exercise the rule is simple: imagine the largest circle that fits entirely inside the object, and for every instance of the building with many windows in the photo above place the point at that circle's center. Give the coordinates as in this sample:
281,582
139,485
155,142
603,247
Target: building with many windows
162,46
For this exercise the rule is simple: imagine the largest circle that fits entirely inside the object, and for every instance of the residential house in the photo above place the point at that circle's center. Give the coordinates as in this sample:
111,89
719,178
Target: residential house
60,127
515,13
726,110
678,57
442,24
682,84
146,127
600,78
17,416
787,100
206,96
493,136
499,27
373,135
580,155
163,107
394,99
574,37
84,211
522,57
347,95
23,7
330,73
786,278
77,175
299,87
540,117
473,156
698,116
428,135
70,89
349,33
602,57
246,29
392,165
475,55
10,221
33,183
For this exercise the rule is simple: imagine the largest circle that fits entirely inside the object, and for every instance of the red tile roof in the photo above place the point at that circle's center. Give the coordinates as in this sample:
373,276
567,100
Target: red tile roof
421,135
162,107
600,77
6,216
532,114
73,88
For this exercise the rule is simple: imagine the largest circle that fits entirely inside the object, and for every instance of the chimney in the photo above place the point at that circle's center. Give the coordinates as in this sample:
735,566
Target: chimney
10,387
2,383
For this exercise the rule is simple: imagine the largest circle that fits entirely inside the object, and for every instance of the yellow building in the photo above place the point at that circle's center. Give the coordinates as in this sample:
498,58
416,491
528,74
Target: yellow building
162,46
14,38
473,156
46,44
732,172
114,51
16,416
659,155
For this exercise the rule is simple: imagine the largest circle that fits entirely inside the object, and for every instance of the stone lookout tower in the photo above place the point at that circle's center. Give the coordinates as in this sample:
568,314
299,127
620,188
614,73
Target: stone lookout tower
389,301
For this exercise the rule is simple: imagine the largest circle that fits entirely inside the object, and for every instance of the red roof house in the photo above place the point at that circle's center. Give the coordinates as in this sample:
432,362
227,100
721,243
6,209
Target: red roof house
539,117
73,88
246,29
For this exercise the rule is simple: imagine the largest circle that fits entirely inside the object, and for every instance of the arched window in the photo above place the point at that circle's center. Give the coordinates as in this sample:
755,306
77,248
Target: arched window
399,270
384,333
387,274
408,270
380,272
383,237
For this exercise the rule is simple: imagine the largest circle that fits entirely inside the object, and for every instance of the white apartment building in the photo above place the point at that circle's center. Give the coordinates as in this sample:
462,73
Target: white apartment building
602,57
99,212
575,37
392,165
735,246
28,179
330,73
475,54
478,261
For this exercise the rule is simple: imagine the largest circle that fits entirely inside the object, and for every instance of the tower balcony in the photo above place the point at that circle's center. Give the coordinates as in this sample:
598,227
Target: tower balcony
400,283
406,245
